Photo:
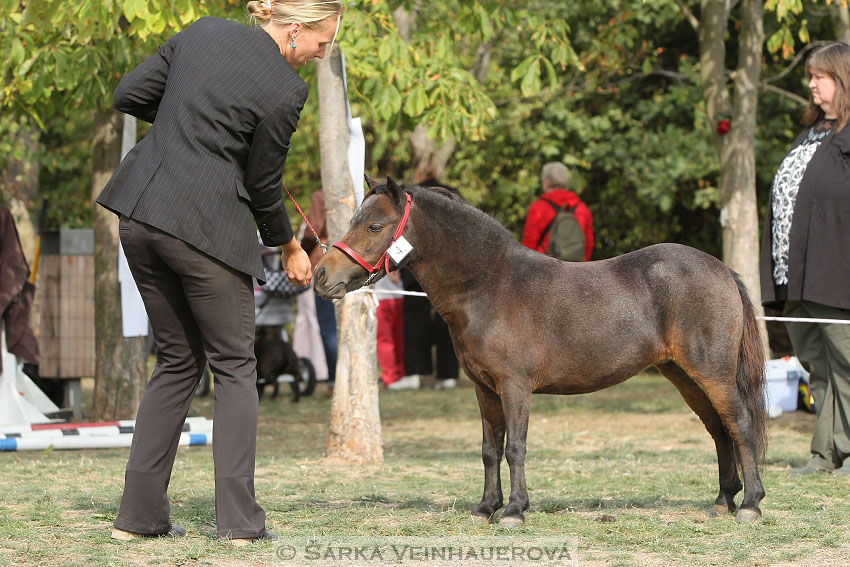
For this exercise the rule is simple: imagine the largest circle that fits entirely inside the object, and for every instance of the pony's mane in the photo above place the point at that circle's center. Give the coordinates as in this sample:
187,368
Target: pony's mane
452,207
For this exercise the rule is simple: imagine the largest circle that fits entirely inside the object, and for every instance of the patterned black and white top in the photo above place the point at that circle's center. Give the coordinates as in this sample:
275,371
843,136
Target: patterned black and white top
785,187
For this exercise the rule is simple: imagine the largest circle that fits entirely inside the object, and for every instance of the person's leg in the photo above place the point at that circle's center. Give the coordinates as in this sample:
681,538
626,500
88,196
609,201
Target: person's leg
397,322
222,303
837,340
180,361
810,348
417,335
327,327
384,347
447,364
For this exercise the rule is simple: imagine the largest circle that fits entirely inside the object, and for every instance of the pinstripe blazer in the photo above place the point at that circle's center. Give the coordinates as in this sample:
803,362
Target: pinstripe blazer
223,102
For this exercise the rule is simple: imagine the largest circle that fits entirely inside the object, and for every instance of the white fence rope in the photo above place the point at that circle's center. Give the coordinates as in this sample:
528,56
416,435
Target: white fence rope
388,292
806,320
786,319
783,319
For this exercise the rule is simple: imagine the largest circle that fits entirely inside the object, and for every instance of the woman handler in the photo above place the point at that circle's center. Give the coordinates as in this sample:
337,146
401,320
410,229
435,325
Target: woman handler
224,100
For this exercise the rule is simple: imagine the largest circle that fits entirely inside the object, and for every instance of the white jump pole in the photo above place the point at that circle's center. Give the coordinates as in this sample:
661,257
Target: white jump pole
92,442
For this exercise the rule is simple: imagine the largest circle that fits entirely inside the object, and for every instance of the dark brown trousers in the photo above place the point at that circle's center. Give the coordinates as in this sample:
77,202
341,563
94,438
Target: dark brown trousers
200,310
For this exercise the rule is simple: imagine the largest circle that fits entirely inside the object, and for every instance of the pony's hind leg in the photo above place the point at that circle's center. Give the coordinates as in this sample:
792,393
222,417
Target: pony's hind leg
730,482
492,446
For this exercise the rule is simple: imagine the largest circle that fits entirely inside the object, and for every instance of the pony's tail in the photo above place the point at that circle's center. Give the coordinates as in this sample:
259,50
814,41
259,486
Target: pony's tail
751,370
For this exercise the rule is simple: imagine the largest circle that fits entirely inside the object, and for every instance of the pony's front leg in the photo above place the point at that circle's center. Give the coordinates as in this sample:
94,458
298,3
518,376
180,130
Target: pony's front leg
516,403
493,425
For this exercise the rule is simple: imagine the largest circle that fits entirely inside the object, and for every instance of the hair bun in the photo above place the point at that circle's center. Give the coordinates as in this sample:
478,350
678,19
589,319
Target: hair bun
260,11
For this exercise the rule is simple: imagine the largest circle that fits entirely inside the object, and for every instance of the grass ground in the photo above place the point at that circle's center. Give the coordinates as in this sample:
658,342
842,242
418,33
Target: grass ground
627,474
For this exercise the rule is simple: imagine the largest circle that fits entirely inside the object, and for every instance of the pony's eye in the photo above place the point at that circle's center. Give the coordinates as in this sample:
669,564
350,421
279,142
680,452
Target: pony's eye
375,227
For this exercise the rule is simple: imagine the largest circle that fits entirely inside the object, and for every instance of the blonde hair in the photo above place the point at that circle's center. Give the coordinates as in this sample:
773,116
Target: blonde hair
283,12
834,60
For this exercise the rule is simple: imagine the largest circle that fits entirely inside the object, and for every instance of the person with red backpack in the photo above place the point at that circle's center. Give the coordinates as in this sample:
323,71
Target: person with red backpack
559,224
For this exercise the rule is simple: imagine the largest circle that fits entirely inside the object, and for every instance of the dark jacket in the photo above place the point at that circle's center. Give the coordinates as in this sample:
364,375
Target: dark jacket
819,254
16,293
223,102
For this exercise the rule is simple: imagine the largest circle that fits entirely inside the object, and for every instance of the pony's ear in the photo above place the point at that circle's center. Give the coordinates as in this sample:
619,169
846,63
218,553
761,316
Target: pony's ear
396,192
372,183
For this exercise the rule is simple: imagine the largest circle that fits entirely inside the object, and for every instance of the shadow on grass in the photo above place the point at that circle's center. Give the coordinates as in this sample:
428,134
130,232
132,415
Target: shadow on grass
646,502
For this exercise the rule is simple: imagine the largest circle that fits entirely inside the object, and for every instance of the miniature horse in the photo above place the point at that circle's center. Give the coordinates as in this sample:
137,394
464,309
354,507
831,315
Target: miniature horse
522,323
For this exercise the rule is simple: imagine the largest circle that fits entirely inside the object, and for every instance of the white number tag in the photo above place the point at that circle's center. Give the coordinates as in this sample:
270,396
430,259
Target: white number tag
399,250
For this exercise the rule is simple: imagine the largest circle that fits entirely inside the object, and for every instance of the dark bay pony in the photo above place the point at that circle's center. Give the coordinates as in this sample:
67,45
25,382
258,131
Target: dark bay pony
523,323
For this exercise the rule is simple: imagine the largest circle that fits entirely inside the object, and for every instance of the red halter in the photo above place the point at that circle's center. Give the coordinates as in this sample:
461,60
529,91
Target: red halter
384,259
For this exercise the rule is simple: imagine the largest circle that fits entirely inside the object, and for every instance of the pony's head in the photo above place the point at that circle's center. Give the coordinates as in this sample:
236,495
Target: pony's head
360,256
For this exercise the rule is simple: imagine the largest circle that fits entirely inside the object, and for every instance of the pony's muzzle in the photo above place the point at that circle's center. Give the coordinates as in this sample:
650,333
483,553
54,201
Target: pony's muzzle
324,288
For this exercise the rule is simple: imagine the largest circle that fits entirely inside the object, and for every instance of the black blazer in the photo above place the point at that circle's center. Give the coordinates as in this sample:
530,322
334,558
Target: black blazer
819,254
223,102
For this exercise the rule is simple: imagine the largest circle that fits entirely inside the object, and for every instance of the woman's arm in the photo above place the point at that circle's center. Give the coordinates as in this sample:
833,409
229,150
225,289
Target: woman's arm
139,92
265,164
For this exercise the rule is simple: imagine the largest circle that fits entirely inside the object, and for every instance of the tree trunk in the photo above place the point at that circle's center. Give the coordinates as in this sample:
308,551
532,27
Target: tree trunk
120,367
355,428
20,184
428,159
842,22
739,210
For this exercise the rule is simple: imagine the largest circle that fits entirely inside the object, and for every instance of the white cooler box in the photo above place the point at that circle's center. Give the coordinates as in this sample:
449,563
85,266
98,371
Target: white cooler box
783,384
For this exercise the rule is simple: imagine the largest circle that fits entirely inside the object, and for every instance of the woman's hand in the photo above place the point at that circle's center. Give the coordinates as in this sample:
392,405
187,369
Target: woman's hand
297,263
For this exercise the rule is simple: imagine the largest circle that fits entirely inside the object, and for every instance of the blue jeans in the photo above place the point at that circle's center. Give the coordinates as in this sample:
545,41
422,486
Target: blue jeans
327,328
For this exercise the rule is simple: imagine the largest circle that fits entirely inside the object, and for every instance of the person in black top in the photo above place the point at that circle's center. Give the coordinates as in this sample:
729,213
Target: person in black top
224,100
805,269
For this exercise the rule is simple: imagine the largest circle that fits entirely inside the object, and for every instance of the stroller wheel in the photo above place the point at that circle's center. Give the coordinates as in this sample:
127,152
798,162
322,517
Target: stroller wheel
307,373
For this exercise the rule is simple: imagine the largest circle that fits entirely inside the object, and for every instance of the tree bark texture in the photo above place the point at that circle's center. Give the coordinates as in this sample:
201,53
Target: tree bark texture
842,21
355,428
427,158
739,211
120,367
20,186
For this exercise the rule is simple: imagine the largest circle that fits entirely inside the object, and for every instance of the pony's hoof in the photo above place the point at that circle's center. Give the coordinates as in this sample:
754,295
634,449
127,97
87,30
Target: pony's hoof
748,515
479,519
510,522
720,510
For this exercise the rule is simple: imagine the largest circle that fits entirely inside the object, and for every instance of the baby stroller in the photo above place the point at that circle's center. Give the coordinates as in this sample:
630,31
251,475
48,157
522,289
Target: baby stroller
277,363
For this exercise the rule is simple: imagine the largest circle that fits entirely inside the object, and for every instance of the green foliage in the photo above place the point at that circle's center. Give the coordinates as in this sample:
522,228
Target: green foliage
610,88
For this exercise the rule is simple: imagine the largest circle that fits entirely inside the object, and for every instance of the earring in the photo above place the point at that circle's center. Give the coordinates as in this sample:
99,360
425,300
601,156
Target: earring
292,45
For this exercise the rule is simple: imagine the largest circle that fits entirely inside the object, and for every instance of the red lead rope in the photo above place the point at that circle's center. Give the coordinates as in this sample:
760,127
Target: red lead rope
385,258
310,226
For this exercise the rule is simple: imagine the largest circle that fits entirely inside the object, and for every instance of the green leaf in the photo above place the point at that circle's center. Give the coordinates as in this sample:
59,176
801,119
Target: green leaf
486,26
550,73
803,34
531,81
385,51
521,69
140,8
17,55
130,10
416,101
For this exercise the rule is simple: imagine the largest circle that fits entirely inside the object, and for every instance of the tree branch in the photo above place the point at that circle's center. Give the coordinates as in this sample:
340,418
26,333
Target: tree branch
783,93
689,15
795,61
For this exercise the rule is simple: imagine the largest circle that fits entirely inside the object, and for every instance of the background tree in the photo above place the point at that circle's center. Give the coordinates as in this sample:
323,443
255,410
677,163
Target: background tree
612,89
69,56
355,427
